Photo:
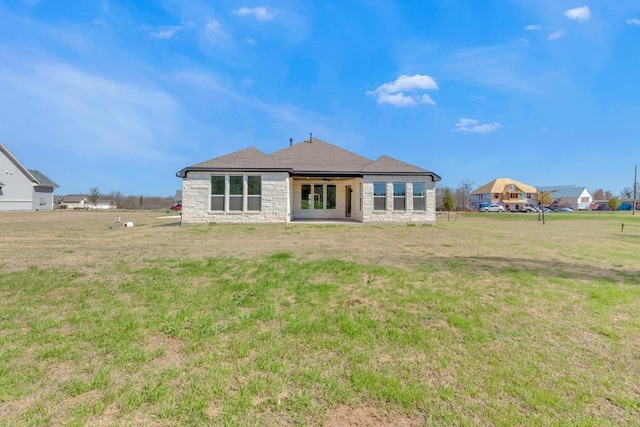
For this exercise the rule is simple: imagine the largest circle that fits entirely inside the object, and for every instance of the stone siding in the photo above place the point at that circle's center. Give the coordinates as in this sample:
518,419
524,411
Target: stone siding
196,200
408,214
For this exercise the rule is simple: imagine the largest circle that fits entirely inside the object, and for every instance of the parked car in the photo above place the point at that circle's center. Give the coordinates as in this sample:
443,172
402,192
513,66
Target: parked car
176,207
494,208
530,208
565,209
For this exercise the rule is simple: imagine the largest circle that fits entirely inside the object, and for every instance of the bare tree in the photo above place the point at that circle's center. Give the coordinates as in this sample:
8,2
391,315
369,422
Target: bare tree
117,197
598,194
626,193
607,195
466,187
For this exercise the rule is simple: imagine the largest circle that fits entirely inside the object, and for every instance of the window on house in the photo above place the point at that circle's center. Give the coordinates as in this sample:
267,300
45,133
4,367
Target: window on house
217,193
331,196
379,196
318,199
235,188
235,193
306,192
399,196
419,203
254,193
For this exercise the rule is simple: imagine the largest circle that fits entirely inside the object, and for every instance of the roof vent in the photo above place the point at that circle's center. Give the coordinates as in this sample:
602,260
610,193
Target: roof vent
310,137
290,142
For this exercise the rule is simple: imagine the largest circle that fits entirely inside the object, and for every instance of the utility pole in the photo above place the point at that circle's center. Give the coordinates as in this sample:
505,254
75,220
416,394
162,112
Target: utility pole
635,190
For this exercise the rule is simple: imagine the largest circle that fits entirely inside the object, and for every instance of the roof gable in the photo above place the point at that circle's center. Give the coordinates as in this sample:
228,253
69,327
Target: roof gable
316,155
499,185
16,162
248,159
566,191
388,165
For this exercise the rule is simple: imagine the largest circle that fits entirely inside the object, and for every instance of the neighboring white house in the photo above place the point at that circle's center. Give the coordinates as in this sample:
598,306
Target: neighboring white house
576,198
511,194
83,201
21,188
308,180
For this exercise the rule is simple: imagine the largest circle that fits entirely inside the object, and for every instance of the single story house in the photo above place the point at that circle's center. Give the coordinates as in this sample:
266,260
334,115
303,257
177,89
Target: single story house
576,198
83,201
511,194
22,188
310,180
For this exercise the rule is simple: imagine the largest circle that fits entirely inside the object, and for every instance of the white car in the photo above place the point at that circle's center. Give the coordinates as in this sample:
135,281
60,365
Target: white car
530,208
494,208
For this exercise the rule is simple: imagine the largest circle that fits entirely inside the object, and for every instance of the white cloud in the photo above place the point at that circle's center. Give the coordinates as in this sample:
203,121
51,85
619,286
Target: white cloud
260,13
556,35
213,30
633,21
395,93
166,32
474,126
250,40
582,13
91,114
533,27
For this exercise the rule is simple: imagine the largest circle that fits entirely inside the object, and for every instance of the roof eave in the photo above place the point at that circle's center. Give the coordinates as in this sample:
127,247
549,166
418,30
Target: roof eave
298,173
17,162
183,173
433,176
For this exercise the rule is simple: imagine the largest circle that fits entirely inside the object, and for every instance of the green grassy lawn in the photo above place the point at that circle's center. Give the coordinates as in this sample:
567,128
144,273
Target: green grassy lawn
546,332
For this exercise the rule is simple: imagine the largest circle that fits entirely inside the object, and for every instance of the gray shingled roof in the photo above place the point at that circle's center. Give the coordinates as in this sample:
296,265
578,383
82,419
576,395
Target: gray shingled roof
388,165
315,157
250,159
43,180
564,191
320,157
74,198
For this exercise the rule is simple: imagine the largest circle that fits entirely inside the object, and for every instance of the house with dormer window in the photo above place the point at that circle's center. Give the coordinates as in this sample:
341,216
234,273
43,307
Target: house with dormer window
513,195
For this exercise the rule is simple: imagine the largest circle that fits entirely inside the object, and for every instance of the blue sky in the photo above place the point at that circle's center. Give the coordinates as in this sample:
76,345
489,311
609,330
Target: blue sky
120,95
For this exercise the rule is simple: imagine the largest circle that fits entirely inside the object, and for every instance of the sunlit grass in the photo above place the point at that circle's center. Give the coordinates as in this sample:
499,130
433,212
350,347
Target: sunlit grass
280,339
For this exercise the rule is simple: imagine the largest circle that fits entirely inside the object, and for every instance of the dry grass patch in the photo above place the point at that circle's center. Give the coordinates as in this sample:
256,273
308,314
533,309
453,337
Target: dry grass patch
488,320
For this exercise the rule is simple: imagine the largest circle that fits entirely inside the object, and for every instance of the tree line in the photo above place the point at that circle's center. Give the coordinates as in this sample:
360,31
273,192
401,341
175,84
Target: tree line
118,200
